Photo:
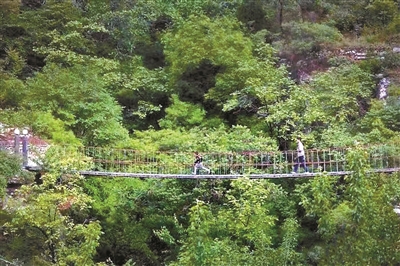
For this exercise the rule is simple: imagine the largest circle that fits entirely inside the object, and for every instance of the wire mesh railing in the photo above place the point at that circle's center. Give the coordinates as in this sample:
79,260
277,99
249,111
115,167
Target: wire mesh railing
231,163
224,163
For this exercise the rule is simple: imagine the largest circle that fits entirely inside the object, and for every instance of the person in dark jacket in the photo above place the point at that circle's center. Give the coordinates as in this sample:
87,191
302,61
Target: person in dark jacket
198,164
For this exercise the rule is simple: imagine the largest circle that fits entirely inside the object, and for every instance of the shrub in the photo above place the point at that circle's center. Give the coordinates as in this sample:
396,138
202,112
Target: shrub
309,37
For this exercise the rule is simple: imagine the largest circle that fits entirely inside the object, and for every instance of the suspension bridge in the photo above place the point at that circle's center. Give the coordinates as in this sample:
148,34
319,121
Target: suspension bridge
113,162
109,162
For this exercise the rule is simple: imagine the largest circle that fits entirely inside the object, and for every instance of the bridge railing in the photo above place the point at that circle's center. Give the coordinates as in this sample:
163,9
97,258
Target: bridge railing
247,162
224,163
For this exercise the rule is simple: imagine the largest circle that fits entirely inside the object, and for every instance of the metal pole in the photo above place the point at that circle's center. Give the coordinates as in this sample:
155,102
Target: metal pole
16,141
25,147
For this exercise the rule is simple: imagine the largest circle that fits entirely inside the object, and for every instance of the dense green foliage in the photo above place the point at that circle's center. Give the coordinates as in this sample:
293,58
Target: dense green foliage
199,75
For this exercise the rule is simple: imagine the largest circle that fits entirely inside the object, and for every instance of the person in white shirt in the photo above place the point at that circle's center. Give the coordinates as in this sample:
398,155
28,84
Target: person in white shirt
300,160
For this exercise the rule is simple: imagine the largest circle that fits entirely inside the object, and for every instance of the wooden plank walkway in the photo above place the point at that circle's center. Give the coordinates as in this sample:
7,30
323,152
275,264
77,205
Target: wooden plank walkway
236,176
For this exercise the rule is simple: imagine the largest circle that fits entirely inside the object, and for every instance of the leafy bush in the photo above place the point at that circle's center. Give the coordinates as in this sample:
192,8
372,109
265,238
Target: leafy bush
336,136
95,118
222,139
391,60
380,12
309,37
54,129
372,65
11,91
182,115
10,167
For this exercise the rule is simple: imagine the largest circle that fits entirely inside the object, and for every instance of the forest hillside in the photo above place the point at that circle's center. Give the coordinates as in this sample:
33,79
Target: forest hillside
210,76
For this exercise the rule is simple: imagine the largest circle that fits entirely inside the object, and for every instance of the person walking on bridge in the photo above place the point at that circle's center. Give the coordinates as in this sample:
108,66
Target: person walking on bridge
301,157
198,164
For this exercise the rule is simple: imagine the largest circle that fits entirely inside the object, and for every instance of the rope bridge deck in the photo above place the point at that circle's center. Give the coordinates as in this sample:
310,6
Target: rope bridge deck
227,176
